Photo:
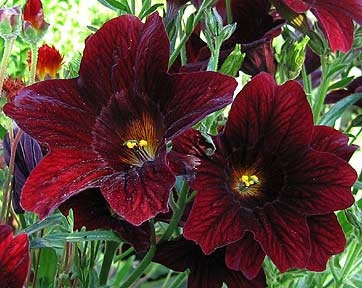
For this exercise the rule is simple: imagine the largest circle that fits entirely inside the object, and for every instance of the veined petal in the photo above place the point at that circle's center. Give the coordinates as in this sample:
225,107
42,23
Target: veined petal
327,239
327,139
90,210
151,58
337,27
276,118
284,236
245,255
14,258
139,194
108,60
54,112
195,96
60,175
319,183
298,6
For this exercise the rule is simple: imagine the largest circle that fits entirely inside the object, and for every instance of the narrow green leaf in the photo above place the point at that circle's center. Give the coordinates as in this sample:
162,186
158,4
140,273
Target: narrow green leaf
150,10
233,62
341,83
358,185
3,132
84,236
52,220
337,109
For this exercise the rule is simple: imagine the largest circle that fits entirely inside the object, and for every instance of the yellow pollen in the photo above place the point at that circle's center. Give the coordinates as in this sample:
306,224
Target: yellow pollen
142,143
131,144
249,180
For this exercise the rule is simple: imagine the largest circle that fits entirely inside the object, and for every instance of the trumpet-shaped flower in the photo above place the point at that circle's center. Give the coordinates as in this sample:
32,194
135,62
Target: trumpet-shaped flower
273,183
109,127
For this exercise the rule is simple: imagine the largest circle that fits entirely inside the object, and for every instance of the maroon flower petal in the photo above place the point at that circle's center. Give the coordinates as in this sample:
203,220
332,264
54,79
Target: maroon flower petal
206,271
284,236
54,112
60,175
327,239
14,258
327,139
151,58
337,27
108,60
187,149
195,96
297,5
277,117
319,183
259,59
92,211
245,255
139,194
216,218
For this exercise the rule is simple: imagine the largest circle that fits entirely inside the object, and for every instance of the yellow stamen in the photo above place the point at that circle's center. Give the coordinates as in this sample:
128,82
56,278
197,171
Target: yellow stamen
142,143
131,144
249,180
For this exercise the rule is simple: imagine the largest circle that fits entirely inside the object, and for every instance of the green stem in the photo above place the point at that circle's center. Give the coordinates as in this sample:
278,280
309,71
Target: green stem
229,15
8,46
354,252
145,261
111,248
307,84
205,4
318,105
177,213
214,60
34,61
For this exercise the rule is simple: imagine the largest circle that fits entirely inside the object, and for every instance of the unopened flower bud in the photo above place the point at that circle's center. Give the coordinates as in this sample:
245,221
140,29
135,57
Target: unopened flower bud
10,22
34,25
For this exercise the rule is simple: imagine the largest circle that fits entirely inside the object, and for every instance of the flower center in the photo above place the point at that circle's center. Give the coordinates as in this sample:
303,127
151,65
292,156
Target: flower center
140,141
246,184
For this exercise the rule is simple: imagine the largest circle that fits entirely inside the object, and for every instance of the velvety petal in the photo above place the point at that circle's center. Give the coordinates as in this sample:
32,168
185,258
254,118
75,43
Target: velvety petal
327,139
283,235
54,112
187,149
337,27
14,258
60,175
109,56
327,239
259,59
216,219
206,271
195,96
28,155
278,118
350,8
139,194
151,58
245,255
92,211
319,183
298,6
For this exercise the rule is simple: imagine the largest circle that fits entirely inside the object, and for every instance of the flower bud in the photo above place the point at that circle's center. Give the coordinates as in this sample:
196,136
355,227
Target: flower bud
34,25
10,22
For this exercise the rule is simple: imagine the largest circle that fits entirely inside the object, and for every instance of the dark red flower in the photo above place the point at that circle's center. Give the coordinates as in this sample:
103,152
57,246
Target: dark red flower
49,62
206,271
14,258
254,31
334,17
33,14
108,128
354,87
273,183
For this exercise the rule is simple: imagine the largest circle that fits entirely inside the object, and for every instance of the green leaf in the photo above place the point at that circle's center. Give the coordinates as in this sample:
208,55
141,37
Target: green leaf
149,11
97,235
233,62
341,84
52,220
358,185
47,269
357,122
337,109
3,132
115,5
